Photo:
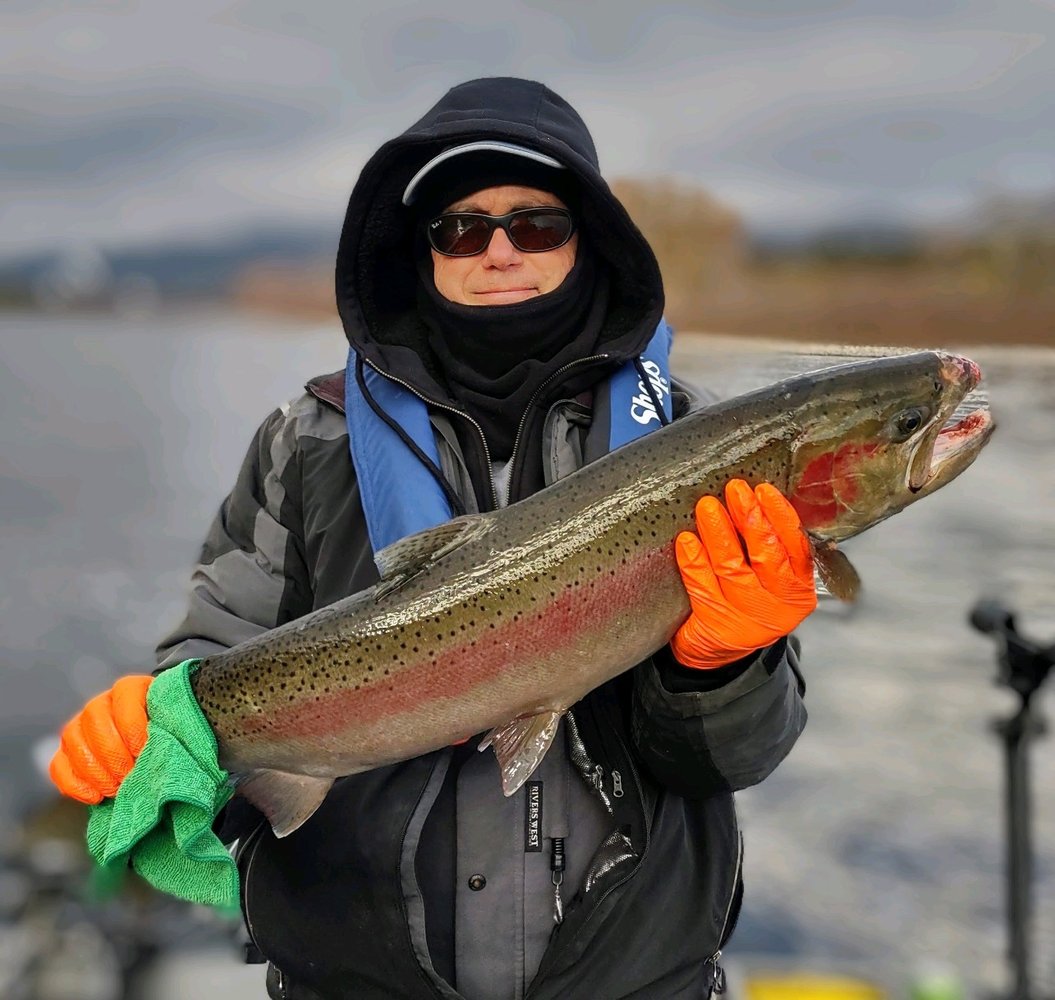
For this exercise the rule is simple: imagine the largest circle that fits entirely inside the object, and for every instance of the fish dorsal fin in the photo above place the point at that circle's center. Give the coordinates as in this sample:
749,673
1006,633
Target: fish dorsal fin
287,800
835,571
520,746
410,554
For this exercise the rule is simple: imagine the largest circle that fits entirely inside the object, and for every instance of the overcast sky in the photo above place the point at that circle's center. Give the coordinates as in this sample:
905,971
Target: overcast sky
126,122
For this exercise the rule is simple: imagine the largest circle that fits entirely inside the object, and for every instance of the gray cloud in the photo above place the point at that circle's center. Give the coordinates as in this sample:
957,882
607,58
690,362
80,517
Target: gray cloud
159,128
888,147
144,118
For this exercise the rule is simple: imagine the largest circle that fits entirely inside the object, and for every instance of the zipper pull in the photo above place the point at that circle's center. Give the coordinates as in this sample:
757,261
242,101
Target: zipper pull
557,870
718,986
598,777
617,785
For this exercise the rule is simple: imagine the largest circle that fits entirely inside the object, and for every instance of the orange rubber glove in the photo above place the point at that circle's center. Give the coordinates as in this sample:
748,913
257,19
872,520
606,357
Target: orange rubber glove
740,604
100,744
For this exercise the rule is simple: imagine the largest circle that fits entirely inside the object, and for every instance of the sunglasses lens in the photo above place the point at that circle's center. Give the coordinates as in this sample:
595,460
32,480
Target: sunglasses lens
532,230
539,229
459,235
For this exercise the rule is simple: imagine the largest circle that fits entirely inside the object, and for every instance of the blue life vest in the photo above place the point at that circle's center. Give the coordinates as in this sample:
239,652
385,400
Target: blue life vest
400,495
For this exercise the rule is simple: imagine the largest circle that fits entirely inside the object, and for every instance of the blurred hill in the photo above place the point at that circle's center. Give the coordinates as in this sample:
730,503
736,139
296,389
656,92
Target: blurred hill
868,281
864,282
83,275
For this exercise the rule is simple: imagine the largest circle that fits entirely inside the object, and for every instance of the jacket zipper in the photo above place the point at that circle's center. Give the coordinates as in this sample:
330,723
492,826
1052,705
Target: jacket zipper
719,972
479,430
450,409
648,832
531,402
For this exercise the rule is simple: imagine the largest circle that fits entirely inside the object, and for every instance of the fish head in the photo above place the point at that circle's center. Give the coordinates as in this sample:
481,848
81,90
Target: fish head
875,437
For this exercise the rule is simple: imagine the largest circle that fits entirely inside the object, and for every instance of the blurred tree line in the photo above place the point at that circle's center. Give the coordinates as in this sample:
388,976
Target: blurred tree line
987,280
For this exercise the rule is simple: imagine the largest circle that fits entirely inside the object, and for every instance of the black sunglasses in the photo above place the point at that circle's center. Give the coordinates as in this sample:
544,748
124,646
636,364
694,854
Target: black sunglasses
530,230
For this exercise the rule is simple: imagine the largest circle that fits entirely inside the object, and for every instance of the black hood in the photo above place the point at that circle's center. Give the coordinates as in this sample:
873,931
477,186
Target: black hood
376,273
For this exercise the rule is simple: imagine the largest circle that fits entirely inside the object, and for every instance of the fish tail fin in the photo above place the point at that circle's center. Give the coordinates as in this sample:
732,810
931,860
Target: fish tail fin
287,800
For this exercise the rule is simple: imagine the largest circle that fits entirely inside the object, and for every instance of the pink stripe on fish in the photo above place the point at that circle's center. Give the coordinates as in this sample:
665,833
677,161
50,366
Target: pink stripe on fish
456,670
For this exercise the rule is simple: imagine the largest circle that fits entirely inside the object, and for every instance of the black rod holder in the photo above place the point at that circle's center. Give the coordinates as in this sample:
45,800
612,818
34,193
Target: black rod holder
1023,666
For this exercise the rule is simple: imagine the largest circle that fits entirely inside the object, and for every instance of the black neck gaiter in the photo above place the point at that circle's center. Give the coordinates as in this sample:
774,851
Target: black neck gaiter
495,358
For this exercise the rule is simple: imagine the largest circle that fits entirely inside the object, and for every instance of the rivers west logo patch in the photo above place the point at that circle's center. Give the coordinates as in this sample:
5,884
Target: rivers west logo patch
533,817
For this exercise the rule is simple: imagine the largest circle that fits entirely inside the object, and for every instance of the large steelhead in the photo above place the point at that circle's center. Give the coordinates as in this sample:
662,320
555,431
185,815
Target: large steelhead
499,622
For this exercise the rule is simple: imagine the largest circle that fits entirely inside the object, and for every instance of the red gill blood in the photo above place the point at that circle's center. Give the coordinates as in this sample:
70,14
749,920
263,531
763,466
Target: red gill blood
829,483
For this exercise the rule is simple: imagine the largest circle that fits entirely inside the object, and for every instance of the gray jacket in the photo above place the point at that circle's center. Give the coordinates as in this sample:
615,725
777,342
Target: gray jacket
291,538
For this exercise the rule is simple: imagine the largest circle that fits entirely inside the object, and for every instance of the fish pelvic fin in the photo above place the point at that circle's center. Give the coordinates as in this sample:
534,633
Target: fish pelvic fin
835,572
287,800
520,746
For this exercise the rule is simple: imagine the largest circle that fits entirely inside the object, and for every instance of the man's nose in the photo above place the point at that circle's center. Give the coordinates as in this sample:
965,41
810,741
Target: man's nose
500,251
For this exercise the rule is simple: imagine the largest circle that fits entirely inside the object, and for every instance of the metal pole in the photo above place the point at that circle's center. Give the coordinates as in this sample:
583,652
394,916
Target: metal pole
1024,667
1016,733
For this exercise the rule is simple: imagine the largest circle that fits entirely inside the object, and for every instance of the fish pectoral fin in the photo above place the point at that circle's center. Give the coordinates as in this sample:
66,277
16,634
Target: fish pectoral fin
407,556
287,800
520,746
835,571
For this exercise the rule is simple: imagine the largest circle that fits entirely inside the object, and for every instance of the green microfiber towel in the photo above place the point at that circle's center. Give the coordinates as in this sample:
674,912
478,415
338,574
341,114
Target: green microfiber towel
161,818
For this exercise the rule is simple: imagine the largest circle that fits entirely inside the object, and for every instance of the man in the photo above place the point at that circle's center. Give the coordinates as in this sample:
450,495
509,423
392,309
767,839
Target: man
504,317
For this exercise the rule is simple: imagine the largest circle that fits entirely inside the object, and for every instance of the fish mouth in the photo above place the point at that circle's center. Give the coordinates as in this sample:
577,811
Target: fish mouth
961,438
961,431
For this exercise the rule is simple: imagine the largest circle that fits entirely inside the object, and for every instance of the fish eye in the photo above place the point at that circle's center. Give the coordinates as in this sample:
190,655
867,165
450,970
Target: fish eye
907,422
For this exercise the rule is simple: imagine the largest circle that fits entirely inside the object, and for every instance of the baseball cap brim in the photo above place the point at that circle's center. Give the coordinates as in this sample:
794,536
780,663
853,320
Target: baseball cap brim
476,147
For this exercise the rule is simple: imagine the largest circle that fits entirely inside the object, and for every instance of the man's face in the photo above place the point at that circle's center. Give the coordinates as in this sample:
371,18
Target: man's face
501,274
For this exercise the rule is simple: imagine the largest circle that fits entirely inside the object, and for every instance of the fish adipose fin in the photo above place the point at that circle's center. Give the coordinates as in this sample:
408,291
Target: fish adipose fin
401,560
287,800
520,746
835,571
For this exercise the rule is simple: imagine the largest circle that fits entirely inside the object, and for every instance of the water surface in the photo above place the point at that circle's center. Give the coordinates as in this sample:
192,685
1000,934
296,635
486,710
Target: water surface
878,841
